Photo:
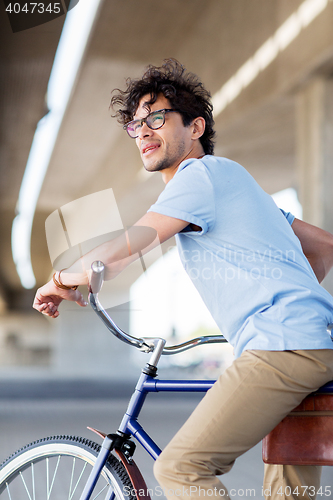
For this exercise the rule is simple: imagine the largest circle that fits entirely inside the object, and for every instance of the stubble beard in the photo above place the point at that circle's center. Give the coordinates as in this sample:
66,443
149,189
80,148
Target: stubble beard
168,160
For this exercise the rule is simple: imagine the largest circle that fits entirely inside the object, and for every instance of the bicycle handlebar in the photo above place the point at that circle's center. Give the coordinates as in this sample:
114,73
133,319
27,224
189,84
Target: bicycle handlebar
97,276
144,344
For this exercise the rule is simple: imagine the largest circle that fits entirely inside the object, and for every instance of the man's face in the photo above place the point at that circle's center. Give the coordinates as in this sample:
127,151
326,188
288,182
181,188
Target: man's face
167,146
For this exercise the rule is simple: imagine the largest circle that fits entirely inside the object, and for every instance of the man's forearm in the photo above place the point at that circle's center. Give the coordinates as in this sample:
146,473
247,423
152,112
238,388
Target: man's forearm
151,230
317,246
116,255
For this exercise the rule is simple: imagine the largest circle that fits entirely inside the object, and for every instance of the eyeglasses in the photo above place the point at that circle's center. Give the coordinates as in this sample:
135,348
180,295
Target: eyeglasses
154,121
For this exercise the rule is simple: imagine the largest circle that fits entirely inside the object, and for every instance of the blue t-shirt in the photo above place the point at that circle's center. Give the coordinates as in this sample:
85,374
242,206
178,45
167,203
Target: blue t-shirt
246,261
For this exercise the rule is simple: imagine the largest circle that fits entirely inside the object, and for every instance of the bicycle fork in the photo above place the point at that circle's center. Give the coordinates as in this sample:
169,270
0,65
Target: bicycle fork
124,449
119,442
101,459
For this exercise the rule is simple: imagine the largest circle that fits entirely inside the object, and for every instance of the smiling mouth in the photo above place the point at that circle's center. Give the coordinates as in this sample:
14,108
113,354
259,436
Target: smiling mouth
149,148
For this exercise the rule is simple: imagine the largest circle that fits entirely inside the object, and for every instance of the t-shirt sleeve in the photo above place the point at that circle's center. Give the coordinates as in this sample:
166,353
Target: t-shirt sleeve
289,216
189,196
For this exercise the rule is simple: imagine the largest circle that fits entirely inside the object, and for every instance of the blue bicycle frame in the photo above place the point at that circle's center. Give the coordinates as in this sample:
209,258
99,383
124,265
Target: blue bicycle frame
130,425
146,384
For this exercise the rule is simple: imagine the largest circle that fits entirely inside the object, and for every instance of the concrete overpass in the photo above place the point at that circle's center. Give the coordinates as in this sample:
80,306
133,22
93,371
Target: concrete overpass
269,66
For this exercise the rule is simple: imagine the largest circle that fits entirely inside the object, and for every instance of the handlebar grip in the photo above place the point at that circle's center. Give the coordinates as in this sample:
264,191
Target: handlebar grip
97,276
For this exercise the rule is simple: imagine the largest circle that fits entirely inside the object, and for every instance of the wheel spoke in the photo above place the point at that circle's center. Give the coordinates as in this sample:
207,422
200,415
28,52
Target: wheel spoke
101,491
7,488
54,475
47,477
33,481
77,483
71,482
25,485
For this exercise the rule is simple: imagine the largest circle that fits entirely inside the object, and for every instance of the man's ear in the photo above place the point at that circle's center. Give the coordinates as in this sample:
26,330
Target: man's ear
198,127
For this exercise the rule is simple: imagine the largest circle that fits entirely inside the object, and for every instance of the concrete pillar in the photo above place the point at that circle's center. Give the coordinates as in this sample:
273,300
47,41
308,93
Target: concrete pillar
315,155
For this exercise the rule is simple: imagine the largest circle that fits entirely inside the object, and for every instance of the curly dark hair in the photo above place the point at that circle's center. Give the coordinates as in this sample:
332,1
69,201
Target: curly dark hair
183,89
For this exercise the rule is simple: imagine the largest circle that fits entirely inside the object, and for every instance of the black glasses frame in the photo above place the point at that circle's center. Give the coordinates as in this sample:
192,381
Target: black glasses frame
144,120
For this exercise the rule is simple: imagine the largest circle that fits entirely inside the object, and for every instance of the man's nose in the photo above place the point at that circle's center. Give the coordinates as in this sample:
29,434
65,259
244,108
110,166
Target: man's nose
145,131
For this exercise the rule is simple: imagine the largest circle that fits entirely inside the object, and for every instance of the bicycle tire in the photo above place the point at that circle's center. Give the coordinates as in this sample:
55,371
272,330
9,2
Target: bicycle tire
57,468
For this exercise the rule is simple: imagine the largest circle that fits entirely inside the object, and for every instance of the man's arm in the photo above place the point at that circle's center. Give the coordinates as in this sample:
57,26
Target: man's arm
116,255
317,246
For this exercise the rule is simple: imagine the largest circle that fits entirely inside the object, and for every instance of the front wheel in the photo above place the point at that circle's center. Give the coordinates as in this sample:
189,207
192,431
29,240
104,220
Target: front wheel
57,468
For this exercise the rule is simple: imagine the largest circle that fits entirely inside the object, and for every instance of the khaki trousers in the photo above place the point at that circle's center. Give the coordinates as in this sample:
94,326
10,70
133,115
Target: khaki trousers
248,400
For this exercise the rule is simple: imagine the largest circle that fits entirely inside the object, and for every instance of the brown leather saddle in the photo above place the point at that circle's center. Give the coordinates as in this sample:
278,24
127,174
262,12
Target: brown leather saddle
305,436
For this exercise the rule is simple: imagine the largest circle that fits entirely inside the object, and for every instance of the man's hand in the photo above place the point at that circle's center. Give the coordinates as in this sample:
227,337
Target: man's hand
48,298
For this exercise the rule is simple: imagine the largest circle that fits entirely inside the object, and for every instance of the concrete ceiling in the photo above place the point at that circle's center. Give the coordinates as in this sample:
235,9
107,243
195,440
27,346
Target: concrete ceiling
212,38
26,59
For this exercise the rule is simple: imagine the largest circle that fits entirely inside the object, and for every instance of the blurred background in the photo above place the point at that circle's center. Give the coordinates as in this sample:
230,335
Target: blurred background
268,65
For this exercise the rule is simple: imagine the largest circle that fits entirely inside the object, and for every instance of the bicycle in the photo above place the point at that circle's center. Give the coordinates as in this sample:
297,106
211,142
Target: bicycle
77,468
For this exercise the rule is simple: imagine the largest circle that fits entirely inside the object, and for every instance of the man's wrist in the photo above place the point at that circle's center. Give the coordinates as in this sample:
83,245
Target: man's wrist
57,280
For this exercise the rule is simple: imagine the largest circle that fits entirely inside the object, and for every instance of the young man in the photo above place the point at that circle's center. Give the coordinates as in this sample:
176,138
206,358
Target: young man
257,269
